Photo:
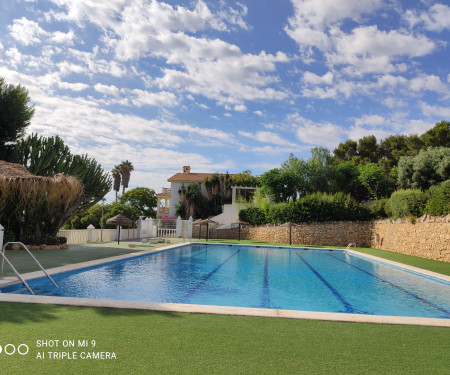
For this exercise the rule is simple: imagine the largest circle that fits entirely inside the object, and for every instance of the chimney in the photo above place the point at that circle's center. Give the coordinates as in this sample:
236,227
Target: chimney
186,169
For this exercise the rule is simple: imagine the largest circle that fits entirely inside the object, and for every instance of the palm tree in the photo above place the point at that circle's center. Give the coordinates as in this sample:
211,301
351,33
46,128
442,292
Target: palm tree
116,176
125,170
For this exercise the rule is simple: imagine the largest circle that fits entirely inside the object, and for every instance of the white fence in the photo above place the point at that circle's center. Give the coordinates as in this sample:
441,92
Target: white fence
165,228
146,228
75,236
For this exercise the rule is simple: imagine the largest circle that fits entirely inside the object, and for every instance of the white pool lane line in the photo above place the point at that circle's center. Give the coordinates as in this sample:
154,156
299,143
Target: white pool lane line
220,310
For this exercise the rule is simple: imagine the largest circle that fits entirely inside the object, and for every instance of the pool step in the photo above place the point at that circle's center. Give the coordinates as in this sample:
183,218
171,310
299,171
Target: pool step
36,291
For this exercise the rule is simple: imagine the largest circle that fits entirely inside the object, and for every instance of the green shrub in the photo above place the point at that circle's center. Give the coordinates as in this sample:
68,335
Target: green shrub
8,236
253,215
62,240
317,207
439,202
378,208
404,203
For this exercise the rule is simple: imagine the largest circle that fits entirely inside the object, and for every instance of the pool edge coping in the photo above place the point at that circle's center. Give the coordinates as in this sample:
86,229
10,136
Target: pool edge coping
212,309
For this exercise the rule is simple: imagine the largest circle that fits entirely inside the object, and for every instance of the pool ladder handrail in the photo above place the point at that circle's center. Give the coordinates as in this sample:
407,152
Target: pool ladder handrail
16,272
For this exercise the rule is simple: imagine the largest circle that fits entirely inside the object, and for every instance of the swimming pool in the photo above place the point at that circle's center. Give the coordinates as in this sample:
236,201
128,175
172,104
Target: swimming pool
262,277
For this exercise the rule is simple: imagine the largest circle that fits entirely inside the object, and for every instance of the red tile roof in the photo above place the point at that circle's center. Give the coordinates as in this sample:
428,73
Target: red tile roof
189,177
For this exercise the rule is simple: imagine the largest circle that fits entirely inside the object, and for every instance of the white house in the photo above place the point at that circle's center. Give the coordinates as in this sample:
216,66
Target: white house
229,212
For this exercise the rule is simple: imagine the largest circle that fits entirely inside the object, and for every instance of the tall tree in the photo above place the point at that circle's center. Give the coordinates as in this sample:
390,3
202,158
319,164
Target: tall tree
368,149
143,199
438,136
15,115
429,168
279,185
117,179
345,151
125,169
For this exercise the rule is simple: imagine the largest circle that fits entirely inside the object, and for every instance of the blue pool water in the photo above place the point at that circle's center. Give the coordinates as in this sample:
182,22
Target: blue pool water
247,276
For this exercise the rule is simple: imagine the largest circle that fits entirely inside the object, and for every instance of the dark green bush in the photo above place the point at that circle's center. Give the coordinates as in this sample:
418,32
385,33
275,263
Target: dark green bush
50,240
404,203
439,202
34,239
317,207
8,236
253,215
62,240
378,208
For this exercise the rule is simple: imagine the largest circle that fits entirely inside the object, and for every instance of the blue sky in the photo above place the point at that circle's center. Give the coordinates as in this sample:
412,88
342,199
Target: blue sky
225,85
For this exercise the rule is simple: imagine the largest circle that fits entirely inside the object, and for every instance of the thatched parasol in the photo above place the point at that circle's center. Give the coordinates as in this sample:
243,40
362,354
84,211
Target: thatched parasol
28,190
203,222
240,222
119,220
290,225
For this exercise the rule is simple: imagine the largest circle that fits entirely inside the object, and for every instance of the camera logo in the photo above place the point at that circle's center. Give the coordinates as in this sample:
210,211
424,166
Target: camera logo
10,349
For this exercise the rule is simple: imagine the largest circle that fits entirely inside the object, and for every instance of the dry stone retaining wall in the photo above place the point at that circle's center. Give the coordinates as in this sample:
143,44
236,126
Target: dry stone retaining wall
429,237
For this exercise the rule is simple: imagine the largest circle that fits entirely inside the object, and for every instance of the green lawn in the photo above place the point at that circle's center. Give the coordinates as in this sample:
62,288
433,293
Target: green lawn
148,342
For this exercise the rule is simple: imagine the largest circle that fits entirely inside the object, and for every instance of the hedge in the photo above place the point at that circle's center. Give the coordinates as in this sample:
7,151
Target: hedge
408,202
439,202
317,207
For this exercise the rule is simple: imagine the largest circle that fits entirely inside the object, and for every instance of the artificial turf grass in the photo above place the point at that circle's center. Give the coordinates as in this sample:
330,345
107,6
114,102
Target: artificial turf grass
426,264
147,342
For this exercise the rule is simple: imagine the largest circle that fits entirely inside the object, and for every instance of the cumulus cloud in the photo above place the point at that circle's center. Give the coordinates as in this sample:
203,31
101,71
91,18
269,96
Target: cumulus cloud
240,108
29,32
26,31
436,18
432,110
312,78
199,65
107,90
357,53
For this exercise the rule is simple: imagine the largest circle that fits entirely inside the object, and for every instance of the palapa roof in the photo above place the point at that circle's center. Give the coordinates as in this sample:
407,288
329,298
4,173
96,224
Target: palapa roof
119,220
26,189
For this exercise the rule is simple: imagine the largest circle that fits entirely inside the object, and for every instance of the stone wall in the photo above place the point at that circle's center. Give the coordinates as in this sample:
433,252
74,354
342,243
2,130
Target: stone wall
429,237
321,234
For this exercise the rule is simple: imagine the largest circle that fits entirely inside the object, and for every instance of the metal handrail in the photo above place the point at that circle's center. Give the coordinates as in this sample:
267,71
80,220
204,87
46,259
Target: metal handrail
17,273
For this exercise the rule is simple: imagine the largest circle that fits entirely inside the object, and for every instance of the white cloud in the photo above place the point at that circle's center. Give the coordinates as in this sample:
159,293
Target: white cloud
312,18
436,19
157,99
29,32
14,55
259,113
240,108
63,38
370,120
326,79
26,32
267,137
431,110
108,90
